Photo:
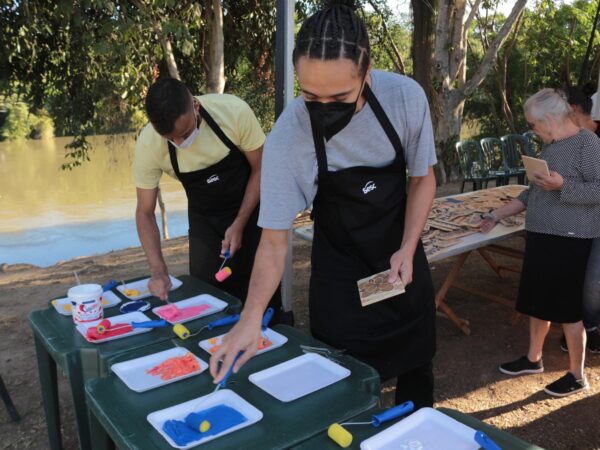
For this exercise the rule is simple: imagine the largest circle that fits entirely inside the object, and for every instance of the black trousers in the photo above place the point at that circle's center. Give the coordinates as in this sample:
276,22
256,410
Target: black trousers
416,385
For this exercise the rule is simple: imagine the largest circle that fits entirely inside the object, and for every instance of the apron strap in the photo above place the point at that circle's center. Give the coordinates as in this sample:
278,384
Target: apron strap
319,141
214,127
384,120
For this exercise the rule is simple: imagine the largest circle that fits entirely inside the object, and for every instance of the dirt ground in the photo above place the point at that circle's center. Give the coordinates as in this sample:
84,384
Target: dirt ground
466,372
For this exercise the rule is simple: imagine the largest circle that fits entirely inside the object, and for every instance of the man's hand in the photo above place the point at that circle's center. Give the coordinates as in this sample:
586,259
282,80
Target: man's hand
243,337
401,264
233,238
552,182
159,285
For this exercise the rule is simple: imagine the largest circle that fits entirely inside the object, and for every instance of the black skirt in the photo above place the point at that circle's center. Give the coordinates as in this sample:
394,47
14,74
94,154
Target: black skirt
552,278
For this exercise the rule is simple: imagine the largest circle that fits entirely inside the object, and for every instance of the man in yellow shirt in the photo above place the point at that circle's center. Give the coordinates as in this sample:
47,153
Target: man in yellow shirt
213,145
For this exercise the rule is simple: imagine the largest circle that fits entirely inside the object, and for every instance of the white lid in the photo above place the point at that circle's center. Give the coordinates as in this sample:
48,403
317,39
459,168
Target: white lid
84,292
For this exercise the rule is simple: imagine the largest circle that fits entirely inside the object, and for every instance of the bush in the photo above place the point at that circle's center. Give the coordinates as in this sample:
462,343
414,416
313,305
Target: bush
21,124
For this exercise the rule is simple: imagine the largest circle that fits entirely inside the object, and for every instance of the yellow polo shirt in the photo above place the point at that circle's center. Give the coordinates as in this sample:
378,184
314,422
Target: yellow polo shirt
233,116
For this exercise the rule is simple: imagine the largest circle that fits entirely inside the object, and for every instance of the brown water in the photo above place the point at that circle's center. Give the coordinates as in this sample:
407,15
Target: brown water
90,209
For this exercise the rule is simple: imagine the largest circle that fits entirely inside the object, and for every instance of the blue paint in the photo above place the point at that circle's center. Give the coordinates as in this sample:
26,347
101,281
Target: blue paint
220,417
135,305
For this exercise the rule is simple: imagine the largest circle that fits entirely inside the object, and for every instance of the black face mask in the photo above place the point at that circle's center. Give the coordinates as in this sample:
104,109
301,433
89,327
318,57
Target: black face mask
333,116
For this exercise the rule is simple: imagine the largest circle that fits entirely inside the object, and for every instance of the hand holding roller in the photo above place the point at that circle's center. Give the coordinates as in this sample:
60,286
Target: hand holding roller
343,437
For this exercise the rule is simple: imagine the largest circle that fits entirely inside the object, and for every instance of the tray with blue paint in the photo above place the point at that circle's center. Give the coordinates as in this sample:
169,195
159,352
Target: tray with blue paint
204,419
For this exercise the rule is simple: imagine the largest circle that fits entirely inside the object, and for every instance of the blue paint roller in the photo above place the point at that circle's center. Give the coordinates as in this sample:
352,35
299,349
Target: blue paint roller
485,442
343,438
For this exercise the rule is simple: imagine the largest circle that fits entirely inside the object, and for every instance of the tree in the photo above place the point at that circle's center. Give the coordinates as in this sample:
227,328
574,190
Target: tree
451,86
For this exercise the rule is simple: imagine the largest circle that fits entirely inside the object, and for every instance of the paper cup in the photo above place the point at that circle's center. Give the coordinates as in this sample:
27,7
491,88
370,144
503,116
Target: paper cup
87,302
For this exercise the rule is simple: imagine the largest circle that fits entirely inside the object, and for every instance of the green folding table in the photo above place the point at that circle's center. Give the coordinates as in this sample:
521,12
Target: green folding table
121,413
57,342
361,432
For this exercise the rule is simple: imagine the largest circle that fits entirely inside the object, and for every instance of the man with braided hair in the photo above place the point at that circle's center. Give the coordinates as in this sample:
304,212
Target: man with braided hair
345,146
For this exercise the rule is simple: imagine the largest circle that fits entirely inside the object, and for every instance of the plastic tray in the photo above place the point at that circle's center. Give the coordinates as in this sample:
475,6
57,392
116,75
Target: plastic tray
136,316
299,376
221,397
215,304
277,339
134,372
426,429
63,305
142,286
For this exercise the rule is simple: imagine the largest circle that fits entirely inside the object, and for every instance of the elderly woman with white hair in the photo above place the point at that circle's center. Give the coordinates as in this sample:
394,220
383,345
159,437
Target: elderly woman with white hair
563,215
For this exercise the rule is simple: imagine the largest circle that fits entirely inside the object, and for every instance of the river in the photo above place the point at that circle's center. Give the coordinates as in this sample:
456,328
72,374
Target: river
48,214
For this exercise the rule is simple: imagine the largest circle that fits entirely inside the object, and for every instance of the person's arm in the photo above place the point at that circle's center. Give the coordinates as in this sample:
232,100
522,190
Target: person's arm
515,206
149,235
266,275
233,235
420,198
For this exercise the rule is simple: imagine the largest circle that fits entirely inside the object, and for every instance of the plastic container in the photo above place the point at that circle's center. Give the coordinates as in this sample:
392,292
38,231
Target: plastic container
86,300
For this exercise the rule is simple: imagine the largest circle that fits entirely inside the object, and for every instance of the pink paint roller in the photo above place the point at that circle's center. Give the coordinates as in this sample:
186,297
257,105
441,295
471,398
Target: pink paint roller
224,272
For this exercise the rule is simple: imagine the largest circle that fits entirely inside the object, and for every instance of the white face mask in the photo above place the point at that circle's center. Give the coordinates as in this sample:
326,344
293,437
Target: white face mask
188,141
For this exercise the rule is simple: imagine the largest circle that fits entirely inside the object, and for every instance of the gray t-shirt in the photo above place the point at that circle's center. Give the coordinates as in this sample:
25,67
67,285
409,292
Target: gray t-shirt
289,164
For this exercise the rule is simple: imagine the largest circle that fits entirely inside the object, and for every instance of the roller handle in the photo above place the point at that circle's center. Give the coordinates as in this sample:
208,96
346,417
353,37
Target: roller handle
485,442
223,382
226,255
228,320
150,324
392,413
110,285
267,318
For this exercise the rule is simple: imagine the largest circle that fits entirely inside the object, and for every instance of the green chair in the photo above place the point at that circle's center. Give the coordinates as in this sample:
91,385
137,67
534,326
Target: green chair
469,157
493,159
535,145
514,147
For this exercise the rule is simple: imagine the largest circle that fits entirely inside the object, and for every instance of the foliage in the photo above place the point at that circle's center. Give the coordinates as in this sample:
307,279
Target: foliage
548,52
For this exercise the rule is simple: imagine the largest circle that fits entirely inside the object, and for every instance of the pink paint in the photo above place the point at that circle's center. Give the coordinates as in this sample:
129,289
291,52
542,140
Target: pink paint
174,313
223,274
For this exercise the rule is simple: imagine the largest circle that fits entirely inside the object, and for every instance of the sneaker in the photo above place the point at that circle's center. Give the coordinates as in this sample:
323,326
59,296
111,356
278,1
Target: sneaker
563,344
593,341
522,366
566,385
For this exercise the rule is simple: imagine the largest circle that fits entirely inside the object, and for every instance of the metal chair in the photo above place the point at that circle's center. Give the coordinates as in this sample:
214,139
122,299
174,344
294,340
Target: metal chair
534,146
10,407
469,156
493,159
514,146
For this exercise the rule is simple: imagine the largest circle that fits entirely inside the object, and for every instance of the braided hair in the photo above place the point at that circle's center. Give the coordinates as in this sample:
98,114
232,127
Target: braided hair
332,33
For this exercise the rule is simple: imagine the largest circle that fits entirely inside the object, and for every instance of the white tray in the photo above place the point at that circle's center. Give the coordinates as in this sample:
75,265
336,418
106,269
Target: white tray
215,304
63,305
299,376
221,397
134,372
277,339
142,286
426,429
136,316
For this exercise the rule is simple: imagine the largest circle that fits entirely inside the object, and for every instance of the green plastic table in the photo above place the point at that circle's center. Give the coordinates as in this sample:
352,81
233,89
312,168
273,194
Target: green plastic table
361,432
57,342
121,413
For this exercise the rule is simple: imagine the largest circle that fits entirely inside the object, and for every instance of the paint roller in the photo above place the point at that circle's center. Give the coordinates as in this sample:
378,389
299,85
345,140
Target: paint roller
196,421
343,437
485,442
183,333
224,272
105,325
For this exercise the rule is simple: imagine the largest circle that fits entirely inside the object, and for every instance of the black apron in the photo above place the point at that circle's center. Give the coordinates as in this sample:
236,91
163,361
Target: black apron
358,217
214,196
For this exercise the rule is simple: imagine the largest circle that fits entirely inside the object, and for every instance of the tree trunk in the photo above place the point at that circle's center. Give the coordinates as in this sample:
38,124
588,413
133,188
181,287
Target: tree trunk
422,42
165,44
163,216
215,79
